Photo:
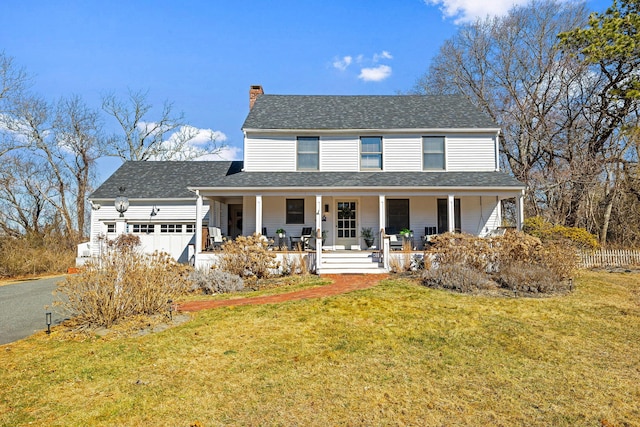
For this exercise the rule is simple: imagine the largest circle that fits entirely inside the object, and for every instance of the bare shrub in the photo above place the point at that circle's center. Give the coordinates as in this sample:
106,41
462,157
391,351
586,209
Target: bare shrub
516,261
215,281
123,283
36,253
248,256
456,276
293,262
529,278
474,252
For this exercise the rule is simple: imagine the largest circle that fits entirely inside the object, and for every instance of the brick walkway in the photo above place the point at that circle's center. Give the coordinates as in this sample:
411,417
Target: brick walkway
341,284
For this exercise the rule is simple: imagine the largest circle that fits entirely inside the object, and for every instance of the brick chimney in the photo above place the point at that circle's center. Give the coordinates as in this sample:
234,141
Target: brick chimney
254,93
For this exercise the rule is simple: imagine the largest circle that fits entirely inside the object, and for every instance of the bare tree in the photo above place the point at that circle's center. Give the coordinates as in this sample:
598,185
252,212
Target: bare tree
561,135
166,137
63,142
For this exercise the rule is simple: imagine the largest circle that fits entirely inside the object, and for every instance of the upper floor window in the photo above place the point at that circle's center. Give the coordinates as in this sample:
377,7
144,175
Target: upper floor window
371,152
433,153
308,152
295,211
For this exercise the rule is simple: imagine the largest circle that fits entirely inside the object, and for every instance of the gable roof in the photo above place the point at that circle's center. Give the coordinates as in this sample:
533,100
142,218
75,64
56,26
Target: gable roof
172,179
366,112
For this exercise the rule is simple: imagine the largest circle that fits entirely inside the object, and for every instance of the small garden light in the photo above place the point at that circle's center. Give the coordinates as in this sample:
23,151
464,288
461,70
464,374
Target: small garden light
47,317
170,302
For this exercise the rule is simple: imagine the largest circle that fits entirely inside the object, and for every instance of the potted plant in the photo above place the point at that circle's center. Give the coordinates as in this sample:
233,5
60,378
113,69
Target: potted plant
324,236
280,232
367,234
406,232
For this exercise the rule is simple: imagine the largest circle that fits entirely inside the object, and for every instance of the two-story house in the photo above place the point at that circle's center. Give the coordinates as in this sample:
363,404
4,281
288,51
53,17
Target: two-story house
332,164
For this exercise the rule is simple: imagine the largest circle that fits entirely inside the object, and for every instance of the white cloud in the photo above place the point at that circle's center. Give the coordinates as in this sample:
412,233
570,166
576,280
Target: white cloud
375,74
469,10
189,142
369,71
343,63
227,152
383,55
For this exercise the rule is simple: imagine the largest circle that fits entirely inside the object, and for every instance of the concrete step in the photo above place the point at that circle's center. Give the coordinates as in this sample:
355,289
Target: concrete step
351,271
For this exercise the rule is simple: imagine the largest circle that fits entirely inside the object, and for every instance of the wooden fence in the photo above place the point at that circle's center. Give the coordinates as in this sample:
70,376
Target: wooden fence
609,258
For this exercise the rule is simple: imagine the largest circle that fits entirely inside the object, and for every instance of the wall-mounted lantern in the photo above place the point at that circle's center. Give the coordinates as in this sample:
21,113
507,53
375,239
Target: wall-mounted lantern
122,202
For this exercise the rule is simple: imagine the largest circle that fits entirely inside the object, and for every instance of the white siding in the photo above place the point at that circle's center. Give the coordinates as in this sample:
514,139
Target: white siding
339,153
479,215
176,244
369,218
470,153
267,154
402,153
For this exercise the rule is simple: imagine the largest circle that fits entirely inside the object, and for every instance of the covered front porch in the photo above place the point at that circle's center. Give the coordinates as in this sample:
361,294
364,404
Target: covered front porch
327,222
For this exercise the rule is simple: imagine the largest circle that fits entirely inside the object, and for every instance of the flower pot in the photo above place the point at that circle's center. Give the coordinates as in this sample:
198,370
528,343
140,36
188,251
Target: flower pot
368,242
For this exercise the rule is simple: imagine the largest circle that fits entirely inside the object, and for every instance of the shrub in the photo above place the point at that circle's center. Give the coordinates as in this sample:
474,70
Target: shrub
36,253
248,256
516,261
293,262
456,276
529,278
578,237
215,281
123,283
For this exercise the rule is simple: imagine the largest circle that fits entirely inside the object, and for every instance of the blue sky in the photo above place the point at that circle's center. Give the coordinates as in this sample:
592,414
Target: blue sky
204,55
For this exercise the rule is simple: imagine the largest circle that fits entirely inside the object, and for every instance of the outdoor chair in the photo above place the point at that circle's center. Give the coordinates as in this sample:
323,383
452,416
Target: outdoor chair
215,238
429,233
303,239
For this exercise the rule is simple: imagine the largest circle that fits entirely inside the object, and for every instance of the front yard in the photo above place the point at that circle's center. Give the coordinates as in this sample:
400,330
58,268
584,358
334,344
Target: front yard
396,354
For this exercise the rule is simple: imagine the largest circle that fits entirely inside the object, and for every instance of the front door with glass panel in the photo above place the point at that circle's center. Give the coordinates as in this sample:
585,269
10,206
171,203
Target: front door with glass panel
347,223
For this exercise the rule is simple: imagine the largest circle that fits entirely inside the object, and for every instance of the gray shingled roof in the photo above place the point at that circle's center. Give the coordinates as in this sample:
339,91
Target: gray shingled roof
165,179
366,112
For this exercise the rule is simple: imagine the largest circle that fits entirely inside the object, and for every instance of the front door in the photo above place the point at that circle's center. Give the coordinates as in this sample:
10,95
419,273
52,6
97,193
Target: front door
235,220
347,223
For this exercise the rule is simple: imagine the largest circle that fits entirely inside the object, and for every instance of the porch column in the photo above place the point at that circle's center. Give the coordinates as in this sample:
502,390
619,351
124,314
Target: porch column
198,222
519,211
382,213
259,214
451,213
318,232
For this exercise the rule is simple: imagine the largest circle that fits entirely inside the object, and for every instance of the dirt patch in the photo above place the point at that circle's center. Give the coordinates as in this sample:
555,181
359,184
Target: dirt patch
133,327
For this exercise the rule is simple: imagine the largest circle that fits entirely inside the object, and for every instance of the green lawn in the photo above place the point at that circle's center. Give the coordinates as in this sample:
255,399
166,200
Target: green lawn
396,354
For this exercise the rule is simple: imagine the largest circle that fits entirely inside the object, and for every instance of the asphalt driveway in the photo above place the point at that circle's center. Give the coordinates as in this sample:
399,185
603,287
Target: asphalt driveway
22,308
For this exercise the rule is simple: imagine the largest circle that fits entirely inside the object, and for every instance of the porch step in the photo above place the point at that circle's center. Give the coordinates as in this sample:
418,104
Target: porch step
350,262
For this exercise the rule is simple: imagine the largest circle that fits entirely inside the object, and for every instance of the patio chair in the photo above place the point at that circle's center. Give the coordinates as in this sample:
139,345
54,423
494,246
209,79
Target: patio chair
270,239
306,237
429,233
215,238
303,239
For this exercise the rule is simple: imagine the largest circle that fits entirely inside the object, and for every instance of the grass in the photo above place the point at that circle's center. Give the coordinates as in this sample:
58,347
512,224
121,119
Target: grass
395,354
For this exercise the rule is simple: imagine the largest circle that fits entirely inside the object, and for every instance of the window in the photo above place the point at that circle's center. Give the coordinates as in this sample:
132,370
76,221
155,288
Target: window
308,152
443,216
433,152
295,211
190,228
371,152
397,215
143,228
171,228
111,228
